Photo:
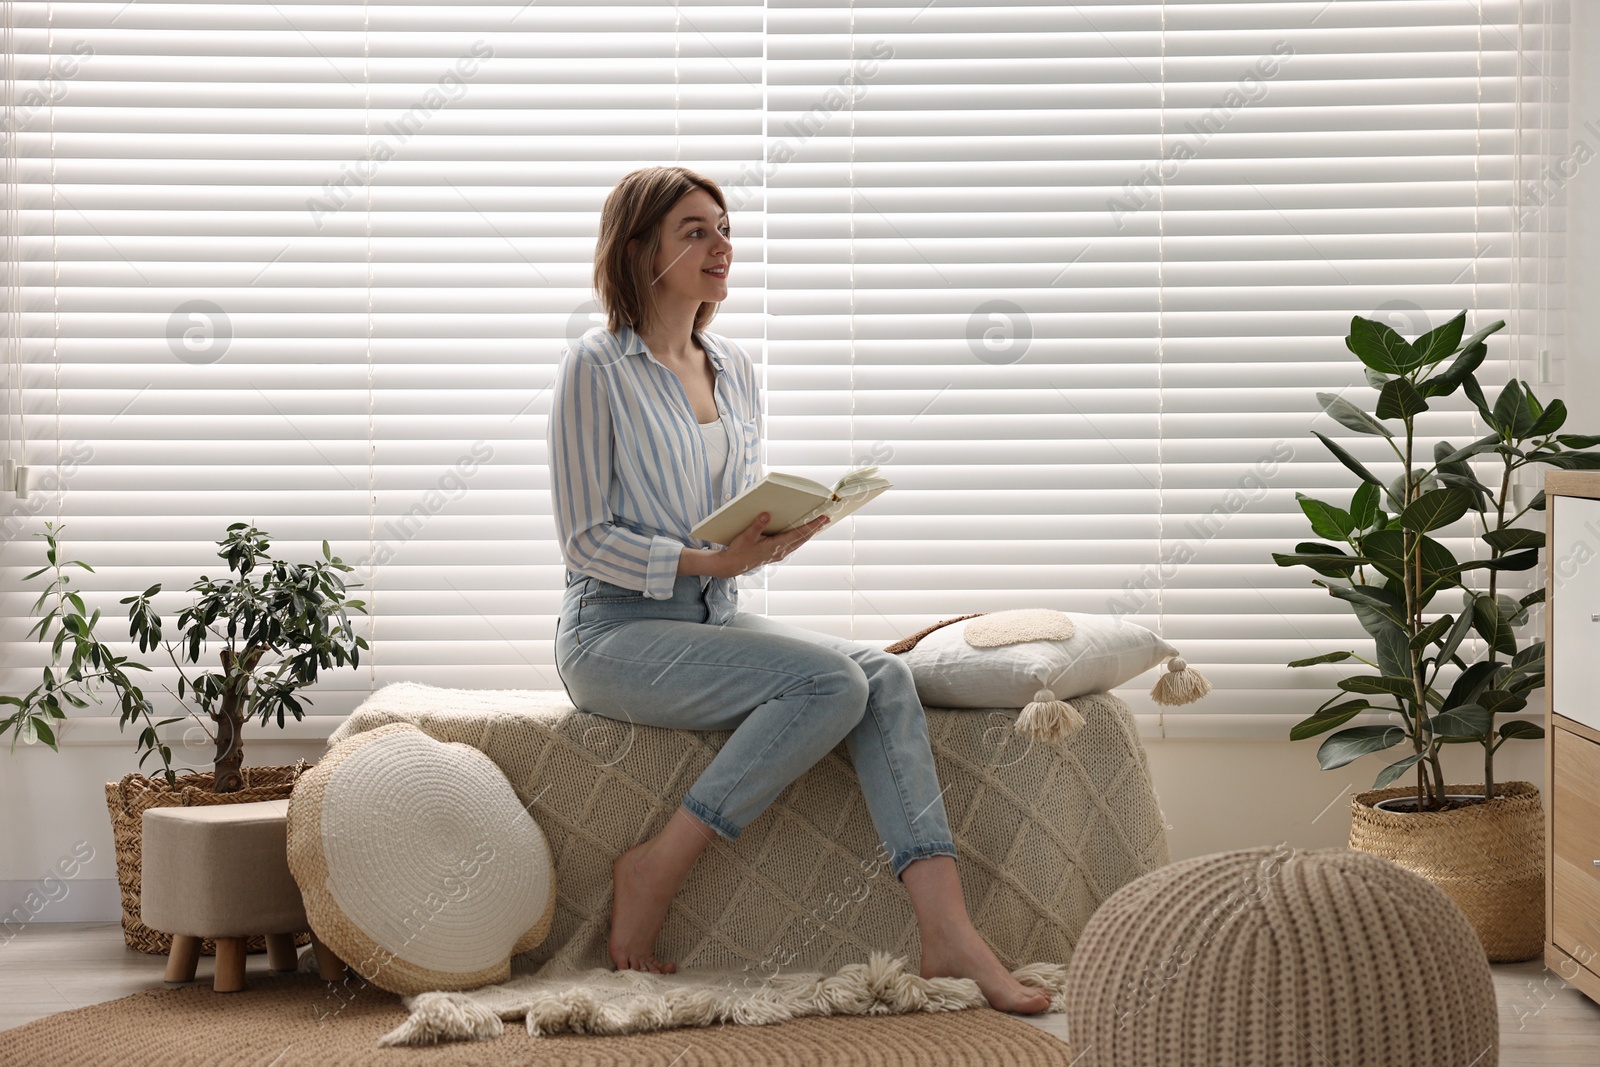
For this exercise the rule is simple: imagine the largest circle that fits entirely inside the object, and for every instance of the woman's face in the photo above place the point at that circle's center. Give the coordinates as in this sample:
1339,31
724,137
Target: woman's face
692,260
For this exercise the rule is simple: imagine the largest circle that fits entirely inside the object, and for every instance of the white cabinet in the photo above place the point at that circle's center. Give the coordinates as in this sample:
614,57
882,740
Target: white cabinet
1573,558
1572,737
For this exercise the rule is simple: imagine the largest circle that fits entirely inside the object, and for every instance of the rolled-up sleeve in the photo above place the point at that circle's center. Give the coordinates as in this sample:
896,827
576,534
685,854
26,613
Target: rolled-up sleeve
580,449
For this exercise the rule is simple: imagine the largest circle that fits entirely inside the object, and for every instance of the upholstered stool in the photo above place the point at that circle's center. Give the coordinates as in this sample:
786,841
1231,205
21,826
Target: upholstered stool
222,871
1271,956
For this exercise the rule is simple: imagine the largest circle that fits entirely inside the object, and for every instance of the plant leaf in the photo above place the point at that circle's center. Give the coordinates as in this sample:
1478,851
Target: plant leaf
1469,683
1393,655
1436,508
1527,559
1501,702
1493,327
1474,391
1351,463
1440,341
1549,420
1324,559
1578,440
1326,657
1430,633
1511,413
1396,769
1465,720
1482,444
1513,538
1351,417
1400,400
1567,461
1347,746
1364,506
1386,549
1327,719
1373,683
1326,520
1378,346
1385,604
1492,626
1451,378
1521,728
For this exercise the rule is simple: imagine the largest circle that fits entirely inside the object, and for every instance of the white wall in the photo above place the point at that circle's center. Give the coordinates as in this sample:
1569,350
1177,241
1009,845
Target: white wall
1216,795
1582,318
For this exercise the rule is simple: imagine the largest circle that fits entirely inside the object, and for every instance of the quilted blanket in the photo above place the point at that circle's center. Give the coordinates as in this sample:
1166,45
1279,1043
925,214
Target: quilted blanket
1044,831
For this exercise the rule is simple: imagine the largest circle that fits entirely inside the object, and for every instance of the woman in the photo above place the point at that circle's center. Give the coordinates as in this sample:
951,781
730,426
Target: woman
653,426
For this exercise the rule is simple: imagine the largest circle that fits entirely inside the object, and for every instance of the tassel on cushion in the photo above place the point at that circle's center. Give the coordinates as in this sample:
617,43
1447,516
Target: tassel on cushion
1048,719
1182,684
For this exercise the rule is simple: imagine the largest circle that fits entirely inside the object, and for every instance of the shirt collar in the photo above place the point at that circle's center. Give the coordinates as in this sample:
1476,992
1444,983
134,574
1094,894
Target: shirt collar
633,344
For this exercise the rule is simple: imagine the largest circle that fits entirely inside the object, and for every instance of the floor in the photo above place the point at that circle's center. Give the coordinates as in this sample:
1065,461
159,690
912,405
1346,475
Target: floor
51,967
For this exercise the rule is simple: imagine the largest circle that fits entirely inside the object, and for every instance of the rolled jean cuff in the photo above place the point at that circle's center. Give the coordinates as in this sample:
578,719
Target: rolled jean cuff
709,817
904,859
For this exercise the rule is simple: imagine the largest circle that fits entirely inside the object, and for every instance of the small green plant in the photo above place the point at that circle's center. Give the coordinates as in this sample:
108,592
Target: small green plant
296,612
1378,557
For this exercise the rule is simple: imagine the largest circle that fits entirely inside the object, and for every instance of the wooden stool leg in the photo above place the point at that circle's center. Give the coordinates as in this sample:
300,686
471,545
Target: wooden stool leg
230,965
280,953
329,965
183,956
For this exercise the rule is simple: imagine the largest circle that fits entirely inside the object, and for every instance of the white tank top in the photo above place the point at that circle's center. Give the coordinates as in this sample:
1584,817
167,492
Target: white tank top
716,438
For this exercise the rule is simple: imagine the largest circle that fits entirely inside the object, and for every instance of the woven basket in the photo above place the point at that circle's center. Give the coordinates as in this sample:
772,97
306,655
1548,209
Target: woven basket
127,801
1488,858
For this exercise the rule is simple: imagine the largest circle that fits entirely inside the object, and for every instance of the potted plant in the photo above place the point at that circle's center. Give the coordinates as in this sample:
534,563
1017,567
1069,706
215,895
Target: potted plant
1448,670
283,621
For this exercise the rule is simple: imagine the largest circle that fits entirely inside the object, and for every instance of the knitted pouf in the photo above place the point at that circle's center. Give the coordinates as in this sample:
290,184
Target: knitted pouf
1266,957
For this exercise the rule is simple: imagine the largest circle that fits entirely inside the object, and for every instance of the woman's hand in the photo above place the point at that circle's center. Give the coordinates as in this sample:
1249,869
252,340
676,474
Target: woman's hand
752,548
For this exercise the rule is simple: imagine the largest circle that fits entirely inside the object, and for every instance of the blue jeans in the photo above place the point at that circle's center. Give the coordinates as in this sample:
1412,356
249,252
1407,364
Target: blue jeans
789,695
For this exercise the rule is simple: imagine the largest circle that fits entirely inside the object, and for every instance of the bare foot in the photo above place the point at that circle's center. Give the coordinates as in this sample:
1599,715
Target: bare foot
964,954
638,910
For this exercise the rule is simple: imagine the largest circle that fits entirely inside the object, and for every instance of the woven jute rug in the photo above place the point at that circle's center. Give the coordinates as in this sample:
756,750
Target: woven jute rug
297,1020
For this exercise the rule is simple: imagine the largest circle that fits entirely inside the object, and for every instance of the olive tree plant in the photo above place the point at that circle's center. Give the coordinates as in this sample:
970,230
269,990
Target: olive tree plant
283,622
1379,555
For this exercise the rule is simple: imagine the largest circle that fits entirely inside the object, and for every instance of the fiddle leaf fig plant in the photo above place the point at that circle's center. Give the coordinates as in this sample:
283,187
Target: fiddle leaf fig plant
297,613
1450,667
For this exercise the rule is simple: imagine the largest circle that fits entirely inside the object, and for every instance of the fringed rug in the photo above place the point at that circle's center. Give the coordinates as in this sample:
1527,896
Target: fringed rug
297,1020
625,1002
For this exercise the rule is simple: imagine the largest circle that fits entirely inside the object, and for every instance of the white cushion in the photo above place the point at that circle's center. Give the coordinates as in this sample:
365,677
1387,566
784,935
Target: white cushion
1101,654
419,866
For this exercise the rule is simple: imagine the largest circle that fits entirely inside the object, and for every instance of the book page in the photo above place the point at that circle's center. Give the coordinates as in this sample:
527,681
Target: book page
841,507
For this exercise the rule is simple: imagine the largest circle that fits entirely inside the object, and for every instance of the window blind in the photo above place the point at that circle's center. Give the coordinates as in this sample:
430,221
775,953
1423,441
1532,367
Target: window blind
1070,274
1074,274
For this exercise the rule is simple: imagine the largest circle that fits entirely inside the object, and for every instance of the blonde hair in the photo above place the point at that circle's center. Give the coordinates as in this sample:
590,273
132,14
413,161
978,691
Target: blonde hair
633,212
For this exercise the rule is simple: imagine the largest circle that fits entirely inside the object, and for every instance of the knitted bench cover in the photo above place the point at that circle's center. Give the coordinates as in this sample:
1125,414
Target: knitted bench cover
1044,831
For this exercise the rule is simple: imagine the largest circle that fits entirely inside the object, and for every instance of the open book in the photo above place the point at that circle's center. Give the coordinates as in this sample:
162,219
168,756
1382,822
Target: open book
791,501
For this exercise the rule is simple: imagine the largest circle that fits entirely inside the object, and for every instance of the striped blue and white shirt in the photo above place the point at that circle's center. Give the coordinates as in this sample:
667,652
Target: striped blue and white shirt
629,474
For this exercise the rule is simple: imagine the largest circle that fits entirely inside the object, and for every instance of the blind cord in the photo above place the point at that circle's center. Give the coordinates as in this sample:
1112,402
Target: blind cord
371,596
55,276
1161,351
13,281
851,183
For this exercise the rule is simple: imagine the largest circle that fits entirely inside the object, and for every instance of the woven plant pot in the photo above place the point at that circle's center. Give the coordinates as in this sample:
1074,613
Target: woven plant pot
127,800
1488,858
